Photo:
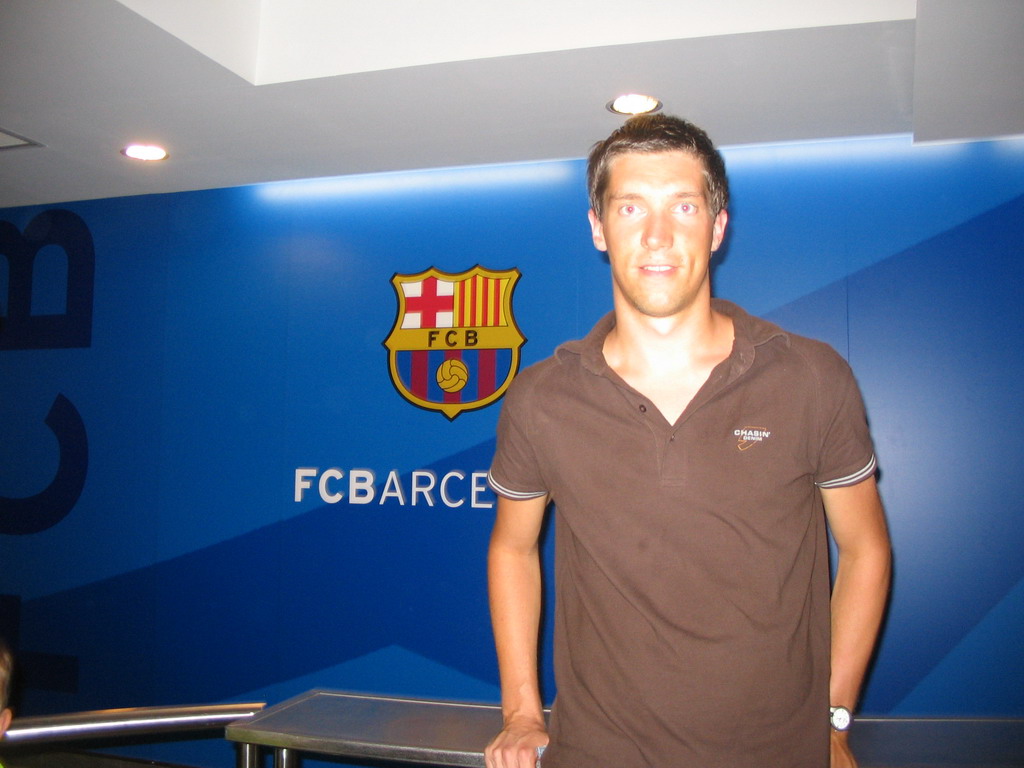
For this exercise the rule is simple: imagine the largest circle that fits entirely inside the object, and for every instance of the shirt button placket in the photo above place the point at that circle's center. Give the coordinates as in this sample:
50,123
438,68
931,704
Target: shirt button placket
673,472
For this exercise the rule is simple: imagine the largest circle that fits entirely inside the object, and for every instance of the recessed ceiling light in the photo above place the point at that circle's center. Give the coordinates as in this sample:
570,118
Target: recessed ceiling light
633,104
144,152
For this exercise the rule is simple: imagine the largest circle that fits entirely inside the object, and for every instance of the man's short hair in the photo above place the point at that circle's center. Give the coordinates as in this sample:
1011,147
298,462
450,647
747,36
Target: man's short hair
6,666
658,133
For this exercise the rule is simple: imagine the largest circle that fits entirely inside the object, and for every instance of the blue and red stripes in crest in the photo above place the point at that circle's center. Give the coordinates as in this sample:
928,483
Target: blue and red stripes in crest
488,369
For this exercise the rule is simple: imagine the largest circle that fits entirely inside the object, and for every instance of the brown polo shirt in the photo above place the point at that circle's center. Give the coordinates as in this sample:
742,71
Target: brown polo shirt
692,584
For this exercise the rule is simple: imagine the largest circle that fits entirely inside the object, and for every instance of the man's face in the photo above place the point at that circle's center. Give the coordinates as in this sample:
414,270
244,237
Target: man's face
658,231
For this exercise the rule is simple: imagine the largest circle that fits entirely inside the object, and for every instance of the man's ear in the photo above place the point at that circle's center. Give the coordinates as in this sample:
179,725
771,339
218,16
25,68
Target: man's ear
597,230
718,231
5,720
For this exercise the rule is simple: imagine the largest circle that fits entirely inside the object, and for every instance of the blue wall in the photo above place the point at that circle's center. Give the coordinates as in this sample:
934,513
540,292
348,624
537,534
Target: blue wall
225,340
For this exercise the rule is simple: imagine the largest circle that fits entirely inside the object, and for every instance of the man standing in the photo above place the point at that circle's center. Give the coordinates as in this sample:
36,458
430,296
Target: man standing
689,449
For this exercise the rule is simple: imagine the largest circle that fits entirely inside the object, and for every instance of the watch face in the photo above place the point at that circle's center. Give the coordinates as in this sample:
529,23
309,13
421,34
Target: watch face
840,717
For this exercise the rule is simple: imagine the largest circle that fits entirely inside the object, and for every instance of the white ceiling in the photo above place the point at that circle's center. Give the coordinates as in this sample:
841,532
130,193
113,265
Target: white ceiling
246,91
276,41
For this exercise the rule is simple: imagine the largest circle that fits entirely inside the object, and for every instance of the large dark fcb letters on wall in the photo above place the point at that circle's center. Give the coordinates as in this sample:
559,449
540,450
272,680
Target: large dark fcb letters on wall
24,327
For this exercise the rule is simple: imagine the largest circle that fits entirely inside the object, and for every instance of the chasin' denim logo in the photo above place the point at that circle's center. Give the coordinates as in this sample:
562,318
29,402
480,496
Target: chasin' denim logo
748,437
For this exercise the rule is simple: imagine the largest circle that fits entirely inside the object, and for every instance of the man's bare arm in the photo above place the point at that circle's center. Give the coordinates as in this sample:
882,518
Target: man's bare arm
859,594
513,569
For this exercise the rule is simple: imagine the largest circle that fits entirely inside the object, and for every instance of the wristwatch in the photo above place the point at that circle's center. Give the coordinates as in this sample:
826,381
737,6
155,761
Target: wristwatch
840,718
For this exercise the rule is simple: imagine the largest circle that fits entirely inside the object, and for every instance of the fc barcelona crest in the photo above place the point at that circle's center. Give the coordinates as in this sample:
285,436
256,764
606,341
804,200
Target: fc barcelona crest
455,344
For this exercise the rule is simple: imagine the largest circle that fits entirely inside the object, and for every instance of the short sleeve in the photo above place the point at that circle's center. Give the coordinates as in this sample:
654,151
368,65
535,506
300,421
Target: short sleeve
515,472
846,454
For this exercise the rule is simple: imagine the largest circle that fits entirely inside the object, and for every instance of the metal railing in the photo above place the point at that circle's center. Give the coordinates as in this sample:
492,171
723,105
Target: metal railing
117,724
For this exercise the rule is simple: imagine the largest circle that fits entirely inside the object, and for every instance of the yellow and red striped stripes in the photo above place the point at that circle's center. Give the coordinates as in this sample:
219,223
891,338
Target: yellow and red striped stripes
478,302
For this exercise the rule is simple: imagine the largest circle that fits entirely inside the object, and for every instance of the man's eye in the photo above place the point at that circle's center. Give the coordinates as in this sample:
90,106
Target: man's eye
629,210
687,207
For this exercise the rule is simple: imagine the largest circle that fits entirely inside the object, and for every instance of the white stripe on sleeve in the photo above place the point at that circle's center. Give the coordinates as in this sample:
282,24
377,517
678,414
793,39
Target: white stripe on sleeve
508,493
852,479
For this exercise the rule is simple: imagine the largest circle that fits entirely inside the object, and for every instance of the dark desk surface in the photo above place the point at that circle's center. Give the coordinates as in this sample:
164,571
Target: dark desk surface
454,733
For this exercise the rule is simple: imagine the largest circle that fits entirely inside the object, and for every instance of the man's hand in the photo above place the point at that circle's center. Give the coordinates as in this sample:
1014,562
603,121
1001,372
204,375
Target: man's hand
842,757
516,745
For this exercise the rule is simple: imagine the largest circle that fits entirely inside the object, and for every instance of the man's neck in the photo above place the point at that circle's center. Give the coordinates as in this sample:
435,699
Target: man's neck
668,359
657,343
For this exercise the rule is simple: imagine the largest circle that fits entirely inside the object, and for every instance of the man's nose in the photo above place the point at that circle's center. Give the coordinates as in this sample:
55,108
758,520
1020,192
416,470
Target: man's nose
657,231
